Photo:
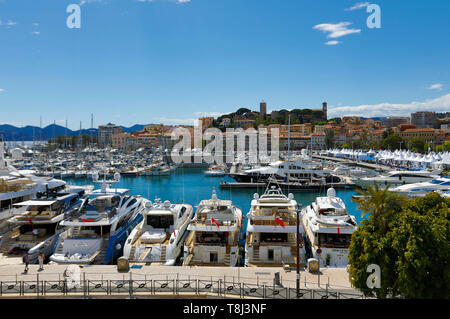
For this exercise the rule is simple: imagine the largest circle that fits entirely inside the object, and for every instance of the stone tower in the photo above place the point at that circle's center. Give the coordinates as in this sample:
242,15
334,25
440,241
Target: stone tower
324,110
262,109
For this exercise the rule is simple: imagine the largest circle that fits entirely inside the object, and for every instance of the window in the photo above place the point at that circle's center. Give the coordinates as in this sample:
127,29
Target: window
270,254
164,221
132,202
213,257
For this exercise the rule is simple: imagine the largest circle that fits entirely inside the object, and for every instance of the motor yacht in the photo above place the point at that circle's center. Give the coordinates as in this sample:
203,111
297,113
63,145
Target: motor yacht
421,189
159,238
37,228
271,238
396,178
215,170
328,227
296,171
214,234
99,228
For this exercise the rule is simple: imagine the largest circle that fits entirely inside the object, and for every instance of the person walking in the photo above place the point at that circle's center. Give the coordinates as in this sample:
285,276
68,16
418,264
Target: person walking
35,234
41,261
26,261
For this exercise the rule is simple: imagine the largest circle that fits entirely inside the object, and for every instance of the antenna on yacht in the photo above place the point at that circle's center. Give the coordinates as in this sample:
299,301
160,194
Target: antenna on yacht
214,195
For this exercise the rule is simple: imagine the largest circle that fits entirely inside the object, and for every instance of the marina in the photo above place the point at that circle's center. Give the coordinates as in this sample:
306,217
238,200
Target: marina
139,213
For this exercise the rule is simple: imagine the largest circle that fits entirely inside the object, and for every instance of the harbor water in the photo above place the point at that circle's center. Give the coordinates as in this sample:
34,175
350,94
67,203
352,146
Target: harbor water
191,185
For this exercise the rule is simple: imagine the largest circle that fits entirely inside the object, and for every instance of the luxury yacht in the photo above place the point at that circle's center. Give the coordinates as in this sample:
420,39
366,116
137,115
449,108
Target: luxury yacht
159,238
215,170
214,234
36,229
298,170
395,178
14,188
441,184
161,169
272,230
328,227
99,228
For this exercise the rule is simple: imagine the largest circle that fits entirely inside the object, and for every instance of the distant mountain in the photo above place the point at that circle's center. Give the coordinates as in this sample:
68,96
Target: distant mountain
134,128
30,133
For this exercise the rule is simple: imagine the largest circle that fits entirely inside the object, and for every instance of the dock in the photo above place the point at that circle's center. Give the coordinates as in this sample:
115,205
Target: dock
353,162
233,185
345,183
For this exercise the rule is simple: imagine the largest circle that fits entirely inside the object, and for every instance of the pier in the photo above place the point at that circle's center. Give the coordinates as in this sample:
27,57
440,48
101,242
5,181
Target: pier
345,183
353,162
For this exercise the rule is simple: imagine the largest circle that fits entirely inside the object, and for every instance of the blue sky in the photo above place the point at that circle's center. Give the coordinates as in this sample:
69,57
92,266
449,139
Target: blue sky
172,61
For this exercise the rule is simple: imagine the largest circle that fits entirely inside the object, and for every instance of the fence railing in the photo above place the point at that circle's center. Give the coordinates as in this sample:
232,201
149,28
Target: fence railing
162,287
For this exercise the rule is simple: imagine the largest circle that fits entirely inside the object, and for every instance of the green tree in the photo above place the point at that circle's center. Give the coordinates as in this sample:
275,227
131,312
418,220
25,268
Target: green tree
417,145
380,204
413,251
392,142
387,132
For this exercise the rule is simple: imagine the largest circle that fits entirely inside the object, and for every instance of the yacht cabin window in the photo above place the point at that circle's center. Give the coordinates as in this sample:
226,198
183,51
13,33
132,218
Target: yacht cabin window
162,221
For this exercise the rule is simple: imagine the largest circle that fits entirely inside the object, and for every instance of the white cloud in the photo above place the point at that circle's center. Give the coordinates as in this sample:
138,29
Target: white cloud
440,104
333,42
208,114
36,32
336,30
175,121
10,23
437,86
36,24
358,6
83,2
2,90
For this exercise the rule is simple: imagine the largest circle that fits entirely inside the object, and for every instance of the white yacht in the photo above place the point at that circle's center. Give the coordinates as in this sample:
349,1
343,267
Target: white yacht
328,227
215,170
98,230
214,234
36,230
298,170
272,231
14,188
441,184
159,238
159,169
395,178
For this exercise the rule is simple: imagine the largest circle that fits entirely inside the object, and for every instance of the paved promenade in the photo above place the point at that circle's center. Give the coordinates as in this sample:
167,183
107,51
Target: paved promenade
335,279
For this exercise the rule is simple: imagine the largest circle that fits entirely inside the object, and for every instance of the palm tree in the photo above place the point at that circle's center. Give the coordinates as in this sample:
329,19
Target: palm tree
379,203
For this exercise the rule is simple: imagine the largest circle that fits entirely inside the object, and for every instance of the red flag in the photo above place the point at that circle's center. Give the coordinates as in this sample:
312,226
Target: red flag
279,221
339,231
29,219
86,220
215,222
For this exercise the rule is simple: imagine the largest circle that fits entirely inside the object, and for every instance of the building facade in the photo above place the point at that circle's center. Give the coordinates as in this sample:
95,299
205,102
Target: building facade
106,133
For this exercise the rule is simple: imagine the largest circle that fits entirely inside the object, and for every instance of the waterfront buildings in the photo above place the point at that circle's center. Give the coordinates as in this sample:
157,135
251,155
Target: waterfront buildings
424,119
106,133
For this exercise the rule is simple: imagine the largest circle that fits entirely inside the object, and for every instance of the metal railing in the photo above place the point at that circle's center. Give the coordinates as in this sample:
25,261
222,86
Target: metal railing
154,287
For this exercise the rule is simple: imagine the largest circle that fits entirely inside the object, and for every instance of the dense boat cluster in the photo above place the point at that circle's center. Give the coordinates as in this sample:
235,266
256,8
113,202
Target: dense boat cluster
83,225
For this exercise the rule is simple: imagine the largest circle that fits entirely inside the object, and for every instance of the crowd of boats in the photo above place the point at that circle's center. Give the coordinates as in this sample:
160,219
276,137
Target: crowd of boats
83,225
